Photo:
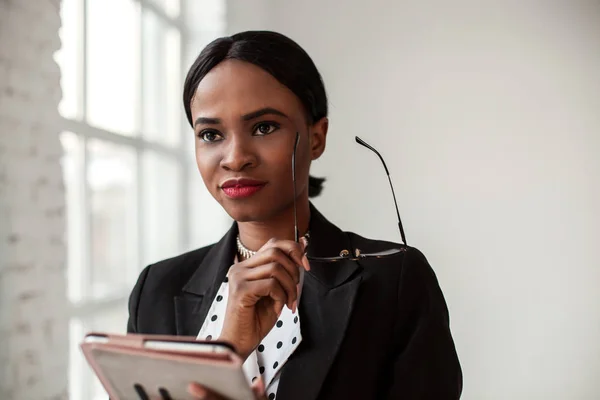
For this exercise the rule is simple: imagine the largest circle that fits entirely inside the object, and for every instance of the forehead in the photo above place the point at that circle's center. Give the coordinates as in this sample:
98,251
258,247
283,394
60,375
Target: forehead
235,88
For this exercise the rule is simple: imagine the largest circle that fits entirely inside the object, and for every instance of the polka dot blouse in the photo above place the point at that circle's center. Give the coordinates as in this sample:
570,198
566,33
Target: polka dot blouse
274,350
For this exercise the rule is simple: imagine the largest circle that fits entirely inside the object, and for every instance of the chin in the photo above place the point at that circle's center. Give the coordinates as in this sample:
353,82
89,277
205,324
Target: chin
246,211
251,210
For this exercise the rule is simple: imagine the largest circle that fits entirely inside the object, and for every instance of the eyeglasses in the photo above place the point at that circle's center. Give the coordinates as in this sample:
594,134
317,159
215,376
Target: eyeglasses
353,254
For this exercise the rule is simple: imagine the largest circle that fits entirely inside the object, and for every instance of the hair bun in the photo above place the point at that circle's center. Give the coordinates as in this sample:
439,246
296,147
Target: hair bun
315,186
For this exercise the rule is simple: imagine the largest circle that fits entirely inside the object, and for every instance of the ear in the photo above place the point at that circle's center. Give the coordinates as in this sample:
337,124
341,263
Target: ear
318,137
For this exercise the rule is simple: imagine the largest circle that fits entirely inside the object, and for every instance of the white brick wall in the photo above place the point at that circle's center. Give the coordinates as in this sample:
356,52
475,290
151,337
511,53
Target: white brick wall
33,304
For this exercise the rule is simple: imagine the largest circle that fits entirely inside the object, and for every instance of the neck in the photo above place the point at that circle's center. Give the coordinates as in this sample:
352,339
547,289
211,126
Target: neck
254,234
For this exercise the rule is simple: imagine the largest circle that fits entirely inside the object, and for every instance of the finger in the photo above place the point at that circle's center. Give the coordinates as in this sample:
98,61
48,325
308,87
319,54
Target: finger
269,288
250,292
277,271
305,262
291,249
276,255
201,393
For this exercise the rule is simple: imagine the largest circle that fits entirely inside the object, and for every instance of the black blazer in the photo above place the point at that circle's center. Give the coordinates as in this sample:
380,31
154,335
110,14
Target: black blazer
373,329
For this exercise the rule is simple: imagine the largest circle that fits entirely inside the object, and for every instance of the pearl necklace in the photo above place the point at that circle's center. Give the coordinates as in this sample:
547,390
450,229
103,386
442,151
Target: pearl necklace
243,250
246,253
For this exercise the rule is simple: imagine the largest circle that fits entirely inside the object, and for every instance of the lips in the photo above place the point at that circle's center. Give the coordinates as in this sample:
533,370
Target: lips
242,182
242,187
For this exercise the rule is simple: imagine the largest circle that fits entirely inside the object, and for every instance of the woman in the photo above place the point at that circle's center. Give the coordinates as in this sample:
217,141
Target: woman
368,329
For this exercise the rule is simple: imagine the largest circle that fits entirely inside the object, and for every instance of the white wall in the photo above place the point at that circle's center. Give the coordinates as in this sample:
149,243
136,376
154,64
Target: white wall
33,304
489,119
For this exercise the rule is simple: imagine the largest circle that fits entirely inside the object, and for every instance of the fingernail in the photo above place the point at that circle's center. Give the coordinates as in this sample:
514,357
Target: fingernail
294,306
198,391
306,263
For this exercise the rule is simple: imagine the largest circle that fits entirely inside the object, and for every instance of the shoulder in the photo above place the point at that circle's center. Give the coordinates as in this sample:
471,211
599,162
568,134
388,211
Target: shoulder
175,271
409,256
370,245
409,270
156,287
407,275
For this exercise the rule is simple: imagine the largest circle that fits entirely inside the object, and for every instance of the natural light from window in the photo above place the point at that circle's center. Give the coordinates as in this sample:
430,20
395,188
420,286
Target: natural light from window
129,175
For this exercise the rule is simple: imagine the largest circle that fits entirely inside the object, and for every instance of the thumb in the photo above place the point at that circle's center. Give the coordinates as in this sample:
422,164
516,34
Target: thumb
304,242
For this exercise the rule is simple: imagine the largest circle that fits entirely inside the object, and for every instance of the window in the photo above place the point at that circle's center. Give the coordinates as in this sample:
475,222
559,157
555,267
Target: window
128,169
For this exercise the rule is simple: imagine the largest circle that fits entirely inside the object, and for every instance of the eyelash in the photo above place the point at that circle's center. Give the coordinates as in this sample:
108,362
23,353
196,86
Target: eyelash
208,131
274,125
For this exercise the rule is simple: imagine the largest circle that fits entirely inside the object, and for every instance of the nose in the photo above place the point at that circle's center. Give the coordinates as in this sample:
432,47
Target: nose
238,156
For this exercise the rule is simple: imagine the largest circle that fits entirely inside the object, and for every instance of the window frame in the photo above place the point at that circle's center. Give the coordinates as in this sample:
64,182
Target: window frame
81,312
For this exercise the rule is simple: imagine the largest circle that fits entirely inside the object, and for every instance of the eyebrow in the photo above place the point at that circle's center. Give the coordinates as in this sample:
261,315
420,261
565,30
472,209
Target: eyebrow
245,117
263,111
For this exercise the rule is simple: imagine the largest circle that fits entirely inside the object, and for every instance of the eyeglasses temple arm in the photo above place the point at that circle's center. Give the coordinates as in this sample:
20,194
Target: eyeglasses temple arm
397,212
296,232
368,146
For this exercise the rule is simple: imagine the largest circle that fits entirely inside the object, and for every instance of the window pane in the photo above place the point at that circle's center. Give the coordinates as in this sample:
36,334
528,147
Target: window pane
79,371
207,221
83,383
69,58
171,7
162,108
162,208
72,166
113,321
113,64
111,178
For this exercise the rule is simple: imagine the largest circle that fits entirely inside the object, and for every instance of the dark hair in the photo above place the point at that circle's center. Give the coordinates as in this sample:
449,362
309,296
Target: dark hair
275,53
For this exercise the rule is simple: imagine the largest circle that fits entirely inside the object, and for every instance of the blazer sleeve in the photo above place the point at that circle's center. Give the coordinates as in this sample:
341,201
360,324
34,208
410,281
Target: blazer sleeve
425,362
134,302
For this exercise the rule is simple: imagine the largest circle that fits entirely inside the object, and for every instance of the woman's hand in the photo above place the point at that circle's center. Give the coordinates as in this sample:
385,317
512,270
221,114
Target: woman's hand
259,287
202,393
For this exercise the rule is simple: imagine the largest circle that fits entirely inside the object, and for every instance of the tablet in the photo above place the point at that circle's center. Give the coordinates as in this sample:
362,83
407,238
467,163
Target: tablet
134,367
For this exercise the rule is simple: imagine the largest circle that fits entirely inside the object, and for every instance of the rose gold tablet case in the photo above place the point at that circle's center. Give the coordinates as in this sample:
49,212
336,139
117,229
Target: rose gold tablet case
123,362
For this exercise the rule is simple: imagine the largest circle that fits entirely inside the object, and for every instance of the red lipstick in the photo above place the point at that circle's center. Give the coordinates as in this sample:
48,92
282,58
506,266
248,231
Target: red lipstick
241,188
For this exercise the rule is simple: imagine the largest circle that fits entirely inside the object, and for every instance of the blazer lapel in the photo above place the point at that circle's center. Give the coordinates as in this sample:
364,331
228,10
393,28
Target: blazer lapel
326,306
192,305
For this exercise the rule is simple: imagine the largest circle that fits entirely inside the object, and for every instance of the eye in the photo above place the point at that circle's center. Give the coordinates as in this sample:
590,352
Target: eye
265,128
210,136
